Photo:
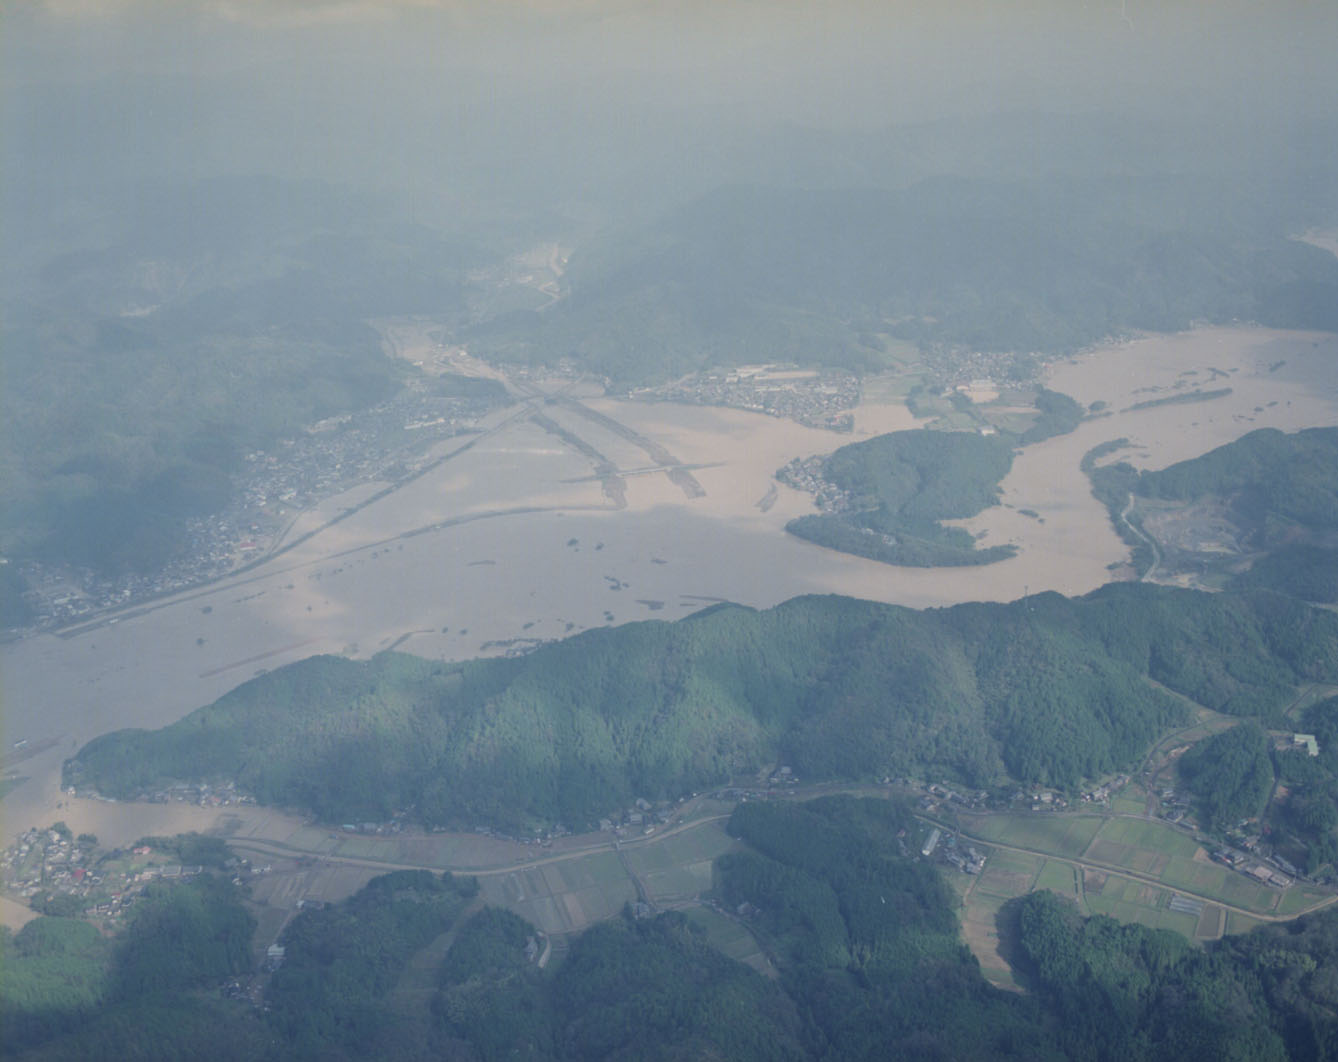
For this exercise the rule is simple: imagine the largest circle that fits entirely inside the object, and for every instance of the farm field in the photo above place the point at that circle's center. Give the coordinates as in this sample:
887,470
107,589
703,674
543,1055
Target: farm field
1131,800
1144,849
731,937
565,895
1132,870
1067,835
679,868
1128,900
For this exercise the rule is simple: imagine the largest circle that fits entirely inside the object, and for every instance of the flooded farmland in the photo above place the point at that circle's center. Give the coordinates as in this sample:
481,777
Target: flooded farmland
586,515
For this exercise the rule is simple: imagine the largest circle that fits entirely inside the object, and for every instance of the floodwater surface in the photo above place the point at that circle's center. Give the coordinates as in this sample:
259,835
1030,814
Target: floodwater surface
515,539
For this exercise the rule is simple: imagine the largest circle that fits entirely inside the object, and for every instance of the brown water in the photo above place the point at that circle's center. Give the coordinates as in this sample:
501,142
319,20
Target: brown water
501,575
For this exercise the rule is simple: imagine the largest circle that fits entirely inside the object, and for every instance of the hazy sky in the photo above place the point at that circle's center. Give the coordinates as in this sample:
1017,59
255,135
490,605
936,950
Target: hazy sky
406,90
841,60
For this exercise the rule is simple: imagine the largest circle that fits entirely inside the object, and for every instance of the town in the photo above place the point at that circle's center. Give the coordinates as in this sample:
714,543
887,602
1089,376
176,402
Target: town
385,443
56,873
815,399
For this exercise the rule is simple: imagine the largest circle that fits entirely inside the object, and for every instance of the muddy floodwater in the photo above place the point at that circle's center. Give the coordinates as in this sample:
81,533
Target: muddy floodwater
567,515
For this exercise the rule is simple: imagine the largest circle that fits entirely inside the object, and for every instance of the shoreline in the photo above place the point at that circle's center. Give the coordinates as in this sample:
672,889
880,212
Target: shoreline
513,542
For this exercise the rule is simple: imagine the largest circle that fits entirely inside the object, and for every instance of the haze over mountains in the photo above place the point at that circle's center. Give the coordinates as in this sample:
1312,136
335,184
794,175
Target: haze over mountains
738,185
369,364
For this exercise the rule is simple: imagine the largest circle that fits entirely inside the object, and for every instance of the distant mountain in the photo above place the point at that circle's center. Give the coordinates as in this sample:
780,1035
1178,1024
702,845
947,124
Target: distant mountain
815,275
166,327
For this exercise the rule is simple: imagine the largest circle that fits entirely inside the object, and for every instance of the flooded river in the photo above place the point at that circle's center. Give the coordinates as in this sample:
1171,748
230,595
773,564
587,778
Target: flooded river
516,539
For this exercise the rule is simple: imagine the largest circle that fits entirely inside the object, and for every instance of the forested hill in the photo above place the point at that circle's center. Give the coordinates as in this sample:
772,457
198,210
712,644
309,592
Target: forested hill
900,486
764,274
177,326
1269,475
1046,690
1280,490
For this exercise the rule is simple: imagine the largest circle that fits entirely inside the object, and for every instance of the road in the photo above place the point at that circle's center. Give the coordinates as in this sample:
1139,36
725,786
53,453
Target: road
1123,872
599,843
1152,543
279,849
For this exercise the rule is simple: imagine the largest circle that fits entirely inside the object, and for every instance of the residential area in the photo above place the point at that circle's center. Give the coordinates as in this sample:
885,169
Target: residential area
381,444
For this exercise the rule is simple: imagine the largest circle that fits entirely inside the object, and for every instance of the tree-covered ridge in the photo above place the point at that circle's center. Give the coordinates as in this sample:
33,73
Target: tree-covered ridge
900,486
1058,415
1306,572
1124,991
863,936
894,491
1048,689
869,951
1230,775
53,973
327,1000
652,989
748,274
183,324
1273,479
1302,816
1280,490
151,993
866,936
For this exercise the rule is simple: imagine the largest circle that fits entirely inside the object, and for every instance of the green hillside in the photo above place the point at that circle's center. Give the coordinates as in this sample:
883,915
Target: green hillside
1281,491
900,486
1048,690
1275,481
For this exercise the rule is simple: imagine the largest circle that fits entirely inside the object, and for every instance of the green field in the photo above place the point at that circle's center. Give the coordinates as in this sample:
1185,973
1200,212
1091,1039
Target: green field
1131,800
1058,876
1176,859
679,867
731,937
1065,835
1300,898
1157,859
1008,874
1129,900
1239,923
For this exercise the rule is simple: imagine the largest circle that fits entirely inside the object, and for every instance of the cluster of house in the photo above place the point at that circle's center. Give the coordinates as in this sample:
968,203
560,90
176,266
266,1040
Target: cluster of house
964,857
1267,870
73,876
200,794
642,816
47,860
815,399
806,474
1174,806
936,796
384,442
395,826
543,838
1102,793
